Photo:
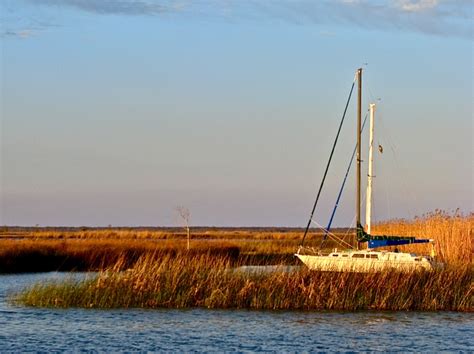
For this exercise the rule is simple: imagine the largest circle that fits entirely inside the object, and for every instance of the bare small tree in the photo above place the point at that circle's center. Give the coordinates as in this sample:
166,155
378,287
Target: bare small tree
185,216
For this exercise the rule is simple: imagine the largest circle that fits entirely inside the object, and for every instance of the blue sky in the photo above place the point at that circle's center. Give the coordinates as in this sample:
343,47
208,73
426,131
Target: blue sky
116,112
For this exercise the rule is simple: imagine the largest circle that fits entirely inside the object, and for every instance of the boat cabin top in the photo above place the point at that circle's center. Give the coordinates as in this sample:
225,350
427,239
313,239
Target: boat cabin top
378,255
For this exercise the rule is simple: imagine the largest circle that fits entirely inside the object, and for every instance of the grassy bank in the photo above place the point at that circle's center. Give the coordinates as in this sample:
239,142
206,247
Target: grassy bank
19,256
207,281
87,255
155,233
48,249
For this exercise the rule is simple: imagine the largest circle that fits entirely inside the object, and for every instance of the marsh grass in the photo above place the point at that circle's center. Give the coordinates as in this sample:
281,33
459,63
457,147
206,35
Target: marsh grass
211,282
47,249
86,255
143,273
156,233
452,233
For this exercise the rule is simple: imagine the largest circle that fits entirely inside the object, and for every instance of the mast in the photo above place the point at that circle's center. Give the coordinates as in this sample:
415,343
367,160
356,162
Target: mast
359,119
370,176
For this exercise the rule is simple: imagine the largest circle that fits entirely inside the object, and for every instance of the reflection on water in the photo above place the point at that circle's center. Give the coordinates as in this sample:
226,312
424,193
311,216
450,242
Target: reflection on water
31,329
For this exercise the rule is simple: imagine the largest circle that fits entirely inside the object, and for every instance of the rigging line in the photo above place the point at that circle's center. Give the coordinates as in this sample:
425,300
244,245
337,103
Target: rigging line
334,237
341,241
412,206
367,85
386,176
331,235
328,228
374,202
352,224
329,162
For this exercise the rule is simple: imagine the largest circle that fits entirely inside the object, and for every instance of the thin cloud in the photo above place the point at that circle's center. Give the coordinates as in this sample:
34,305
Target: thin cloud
19,34
327,34
112,7
436,17
417,6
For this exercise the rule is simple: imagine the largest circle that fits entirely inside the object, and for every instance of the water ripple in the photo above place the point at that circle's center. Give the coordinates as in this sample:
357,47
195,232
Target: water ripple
30,329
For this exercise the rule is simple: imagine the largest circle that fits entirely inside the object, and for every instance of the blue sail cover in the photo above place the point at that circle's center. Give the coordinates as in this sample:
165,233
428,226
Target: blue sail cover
375,241
393,242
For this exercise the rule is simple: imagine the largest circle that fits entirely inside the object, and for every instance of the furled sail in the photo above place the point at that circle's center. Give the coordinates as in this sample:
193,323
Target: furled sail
375,241
384,243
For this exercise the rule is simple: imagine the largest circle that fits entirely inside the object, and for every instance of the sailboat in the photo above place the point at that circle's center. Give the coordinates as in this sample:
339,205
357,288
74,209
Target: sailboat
367,256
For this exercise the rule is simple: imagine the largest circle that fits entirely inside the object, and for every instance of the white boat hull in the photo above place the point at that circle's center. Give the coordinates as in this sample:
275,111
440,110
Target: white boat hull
370,262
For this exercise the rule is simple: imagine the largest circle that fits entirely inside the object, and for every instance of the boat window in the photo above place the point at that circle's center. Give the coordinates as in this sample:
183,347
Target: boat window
373,256
358,255
335,255
345,255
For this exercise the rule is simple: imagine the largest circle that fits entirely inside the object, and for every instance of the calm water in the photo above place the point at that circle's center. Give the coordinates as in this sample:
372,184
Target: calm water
30,329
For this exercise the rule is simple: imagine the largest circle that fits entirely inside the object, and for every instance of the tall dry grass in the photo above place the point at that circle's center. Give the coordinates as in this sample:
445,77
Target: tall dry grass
452,233
206,281
156,233
17,256
162,275
46,249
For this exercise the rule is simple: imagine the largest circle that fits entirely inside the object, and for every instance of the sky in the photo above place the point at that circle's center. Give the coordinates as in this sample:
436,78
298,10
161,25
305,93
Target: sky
117,112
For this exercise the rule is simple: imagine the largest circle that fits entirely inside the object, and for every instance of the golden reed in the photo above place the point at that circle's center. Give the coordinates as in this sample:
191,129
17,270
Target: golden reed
147,274
452,233
46,250
206,281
